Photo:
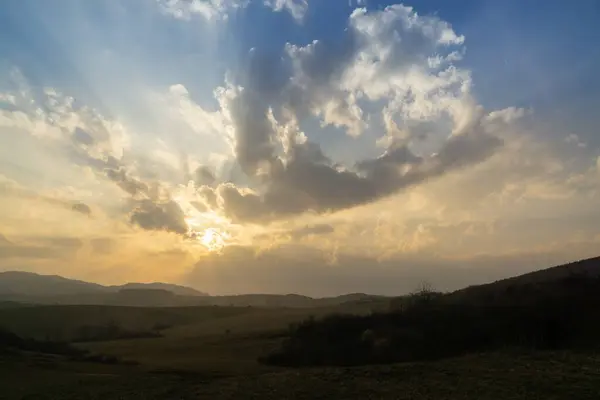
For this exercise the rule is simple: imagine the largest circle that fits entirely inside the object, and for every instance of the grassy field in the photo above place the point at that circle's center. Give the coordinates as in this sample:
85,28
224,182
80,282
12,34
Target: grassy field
488,376
63,322
223,345
212,352
214,340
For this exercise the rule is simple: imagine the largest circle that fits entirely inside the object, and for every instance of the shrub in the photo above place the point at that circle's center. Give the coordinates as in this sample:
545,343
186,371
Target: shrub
559,315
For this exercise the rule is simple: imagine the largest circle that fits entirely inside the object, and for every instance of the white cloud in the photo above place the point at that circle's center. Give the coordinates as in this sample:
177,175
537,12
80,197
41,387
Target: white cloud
208,9
297,8
382,69
52,115
213,10
183,108
574,139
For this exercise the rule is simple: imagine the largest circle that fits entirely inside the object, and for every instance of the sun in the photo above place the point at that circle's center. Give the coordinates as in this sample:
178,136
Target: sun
207,228
213,239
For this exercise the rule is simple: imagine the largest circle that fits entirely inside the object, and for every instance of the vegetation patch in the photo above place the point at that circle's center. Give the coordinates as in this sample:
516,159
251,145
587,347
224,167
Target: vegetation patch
428,326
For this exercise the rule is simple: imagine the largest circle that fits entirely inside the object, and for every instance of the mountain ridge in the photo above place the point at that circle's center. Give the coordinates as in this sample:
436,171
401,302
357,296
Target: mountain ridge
53,289
16,282
29,287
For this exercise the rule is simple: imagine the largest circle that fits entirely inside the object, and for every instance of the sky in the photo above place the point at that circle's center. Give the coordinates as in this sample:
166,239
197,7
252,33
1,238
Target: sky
298,146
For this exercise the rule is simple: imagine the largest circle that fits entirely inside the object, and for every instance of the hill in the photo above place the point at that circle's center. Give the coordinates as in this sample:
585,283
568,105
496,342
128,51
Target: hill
533,337
553,309
26,287
536,280
175,289
32,284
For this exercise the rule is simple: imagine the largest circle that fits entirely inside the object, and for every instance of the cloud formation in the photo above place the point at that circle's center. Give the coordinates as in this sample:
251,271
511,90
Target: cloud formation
346,163
221,9
393,67
296,8
90,140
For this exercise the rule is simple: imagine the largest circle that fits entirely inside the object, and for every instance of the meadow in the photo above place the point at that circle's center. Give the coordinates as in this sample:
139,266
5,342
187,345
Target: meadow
518,340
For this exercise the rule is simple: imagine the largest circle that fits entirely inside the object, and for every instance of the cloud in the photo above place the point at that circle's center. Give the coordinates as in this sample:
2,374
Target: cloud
129,184
204,175
10,188
308,181
574,139
159,215
384,69
297,8
214,10
91,140
82,208
391,72
208,9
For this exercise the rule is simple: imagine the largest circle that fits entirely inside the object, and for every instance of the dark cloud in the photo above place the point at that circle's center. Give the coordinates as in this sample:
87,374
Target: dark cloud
166,215
82,137
152,206
126,182
314,184
254,145
204,175
82,208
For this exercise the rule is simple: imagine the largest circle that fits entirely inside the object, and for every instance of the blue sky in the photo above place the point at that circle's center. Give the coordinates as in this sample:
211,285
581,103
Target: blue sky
519,53
525,52
224,120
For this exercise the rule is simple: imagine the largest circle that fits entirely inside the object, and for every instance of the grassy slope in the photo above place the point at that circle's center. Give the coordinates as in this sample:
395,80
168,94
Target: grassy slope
228,344
212,339
62,322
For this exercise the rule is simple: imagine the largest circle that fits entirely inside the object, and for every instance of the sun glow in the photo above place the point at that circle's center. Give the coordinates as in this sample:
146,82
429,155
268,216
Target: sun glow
209,229
213,239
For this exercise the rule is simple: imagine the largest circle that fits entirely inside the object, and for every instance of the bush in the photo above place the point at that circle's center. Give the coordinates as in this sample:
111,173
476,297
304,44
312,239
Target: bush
10,342
561,315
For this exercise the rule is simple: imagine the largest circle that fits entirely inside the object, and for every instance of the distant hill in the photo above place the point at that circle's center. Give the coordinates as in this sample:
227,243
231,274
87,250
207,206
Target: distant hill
30,284
26,287
17,283
175,289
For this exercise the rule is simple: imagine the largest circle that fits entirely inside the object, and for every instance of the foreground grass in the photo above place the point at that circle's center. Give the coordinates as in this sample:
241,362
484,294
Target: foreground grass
505,376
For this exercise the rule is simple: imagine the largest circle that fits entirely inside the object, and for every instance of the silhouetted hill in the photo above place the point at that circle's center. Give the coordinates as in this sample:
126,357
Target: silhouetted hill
553,309
28,287
30,284
537,280
175,289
